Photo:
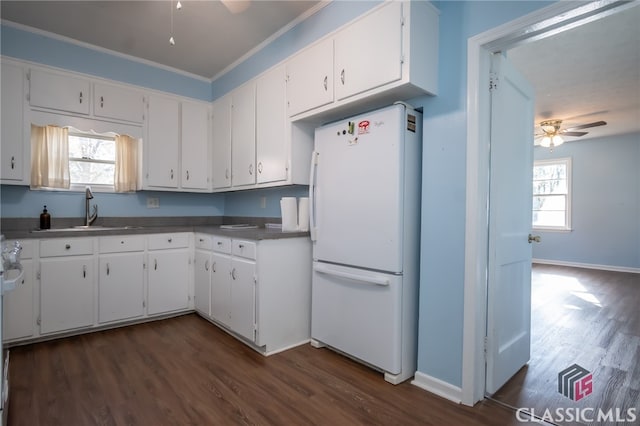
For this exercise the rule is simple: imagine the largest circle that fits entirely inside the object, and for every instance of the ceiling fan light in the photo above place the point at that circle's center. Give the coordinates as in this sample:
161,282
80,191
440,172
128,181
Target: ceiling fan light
546,142
178,5
557,140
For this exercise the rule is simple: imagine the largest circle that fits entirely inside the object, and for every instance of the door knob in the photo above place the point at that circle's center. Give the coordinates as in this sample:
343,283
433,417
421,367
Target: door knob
533,238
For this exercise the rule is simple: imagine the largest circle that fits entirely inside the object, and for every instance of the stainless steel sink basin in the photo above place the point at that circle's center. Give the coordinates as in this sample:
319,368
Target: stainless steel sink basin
88,228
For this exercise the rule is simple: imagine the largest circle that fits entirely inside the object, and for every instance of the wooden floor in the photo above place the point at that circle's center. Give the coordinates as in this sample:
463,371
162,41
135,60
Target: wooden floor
584,316
185,371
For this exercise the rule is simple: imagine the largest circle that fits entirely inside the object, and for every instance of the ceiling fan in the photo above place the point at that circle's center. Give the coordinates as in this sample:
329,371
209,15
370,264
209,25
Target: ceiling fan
552,132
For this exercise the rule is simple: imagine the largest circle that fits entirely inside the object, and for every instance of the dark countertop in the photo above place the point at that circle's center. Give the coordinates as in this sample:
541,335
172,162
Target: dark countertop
20,230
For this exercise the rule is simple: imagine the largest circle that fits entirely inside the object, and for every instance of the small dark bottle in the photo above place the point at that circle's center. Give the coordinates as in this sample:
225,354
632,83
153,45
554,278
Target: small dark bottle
45,219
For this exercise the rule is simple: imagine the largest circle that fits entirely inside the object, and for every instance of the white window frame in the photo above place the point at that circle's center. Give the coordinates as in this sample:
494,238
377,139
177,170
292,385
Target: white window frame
75,186
569,195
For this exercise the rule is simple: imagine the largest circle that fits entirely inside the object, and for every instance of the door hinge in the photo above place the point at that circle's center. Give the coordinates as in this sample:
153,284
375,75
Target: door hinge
486,346
493,82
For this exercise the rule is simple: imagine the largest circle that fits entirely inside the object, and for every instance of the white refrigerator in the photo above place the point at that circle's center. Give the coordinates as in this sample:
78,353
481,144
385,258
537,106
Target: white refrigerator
365,226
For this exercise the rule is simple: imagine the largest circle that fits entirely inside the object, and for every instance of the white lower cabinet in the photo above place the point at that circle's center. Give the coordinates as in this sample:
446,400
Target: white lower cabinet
169,275
202,282
17,312
66,293
120,287
261,290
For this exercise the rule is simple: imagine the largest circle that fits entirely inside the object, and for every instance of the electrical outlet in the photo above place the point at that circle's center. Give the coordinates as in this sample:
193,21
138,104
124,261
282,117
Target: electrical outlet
263,202
153,203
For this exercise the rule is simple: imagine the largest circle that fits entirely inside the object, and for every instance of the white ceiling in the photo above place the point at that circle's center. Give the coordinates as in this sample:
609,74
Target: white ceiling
586,74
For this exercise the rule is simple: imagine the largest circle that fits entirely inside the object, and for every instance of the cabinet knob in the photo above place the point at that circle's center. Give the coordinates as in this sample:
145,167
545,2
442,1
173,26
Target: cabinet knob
240,246
67,246
101,101
171,173
84,271
219,243
170,240
233,273
80,98
187,174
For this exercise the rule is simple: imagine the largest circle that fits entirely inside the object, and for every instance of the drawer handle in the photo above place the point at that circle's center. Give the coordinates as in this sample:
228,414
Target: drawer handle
84,271
101,101
213,267
187,174
80,97
324,82
13,163
240,246
155,264
107,269
342,76
171,174
233,273
202,240
219,243
67,246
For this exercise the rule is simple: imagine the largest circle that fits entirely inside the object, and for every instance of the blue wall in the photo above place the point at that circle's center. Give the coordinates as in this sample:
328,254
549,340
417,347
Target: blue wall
248,203
605,203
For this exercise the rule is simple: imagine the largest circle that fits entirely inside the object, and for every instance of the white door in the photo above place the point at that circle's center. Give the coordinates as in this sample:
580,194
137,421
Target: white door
162,144
221,142
168,281
310,78
11,142
120,286
117,102
243,135
202,282
510,199
220,287
358,188
243,279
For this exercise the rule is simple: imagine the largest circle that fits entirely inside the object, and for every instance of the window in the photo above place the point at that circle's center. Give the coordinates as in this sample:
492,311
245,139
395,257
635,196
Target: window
92,159
552,194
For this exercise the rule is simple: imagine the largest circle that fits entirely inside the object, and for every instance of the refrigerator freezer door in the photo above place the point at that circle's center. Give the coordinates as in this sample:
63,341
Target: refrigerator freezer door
358,191
358,312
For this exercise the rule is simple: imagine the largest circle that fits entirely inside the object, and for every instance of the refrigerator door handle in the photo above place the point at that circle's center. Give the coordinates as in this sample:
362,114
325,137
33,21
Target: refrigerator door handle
367,279
312,198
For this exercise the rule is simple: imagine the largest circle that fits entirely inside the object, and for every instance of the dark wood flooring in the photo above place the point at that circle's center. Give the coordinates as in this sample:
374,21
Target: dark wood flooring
584,316
186,371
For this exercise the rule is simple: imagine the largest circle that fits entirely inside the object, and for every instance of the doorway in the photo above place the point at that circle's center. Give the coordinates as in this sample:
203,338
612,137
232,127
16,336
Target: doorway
544,23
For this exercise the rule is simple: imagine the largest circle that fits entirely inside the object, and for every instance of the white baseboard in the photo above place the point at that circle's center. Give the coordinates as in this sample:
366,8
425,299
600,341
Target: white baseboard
438,387
588,265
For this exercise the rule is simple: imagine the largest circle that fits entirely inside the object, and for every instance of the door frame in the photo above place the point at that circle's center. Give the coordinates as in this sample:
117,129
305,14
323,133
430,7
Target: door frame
540,24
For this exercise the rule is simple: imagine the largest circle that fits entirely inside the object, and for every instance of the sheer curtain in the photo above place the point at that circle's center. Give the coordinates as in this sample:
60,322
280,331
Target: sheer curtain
126,173
49,157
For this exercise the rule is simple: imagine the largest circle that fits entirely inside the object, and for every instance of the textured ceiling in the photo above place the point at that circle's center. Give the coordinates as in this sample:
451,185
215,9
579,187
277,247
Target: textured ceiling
587,74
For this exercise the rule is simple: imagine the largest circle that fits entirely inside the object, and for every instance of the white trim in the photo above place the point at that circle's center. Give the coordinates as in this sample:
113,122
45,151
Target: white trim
103,50
438,387
309,12
545,22
587,265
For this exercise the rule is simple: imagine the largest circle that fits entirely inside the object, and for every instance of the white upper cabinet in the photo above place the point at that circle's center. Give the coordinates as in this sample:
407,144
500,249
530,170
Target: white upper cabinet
310,78
368,53
118,102
221,142
272,127
59,91
243,135
162,142
195,146
12,143
388,54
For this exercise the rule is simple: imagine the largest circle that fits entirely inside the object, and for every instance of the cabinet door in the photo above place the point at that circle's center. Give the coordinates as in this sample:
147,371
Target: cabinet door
66,293
202,282
221,143
118,102
59,91
120,286
271,126
17,307
243,279
168,281
195,146
162,142
243,135
220,287
368,53
11,166
310,78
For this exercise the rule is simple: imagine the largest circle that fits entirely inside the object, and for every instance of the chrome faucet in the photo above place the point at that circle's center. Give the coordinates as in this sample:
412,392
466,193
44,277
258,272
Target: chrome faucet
89,219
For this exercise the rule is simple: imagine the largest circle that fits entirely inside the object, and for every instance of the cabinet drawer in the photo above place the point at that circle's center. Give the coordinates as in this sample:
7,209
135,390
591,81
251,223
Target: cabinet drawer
204,241
244,249
121,244
222,245
168,241
66,247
